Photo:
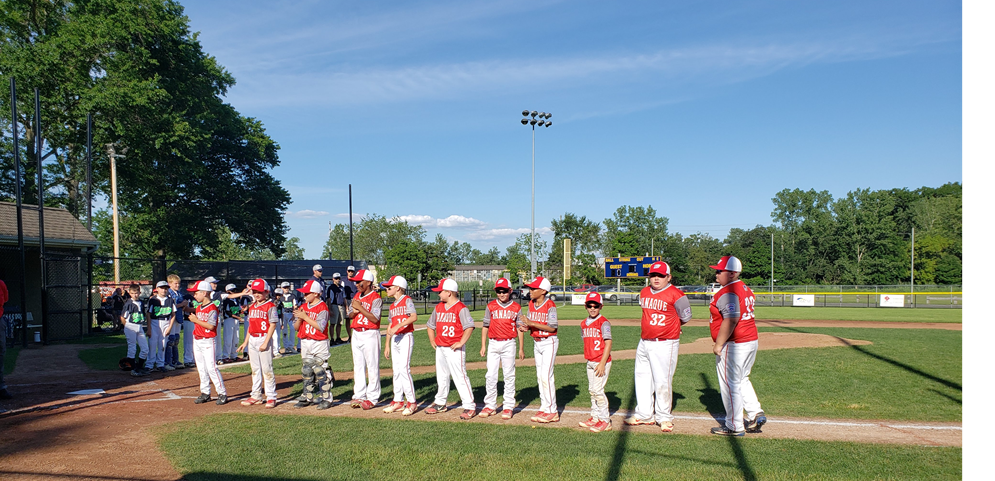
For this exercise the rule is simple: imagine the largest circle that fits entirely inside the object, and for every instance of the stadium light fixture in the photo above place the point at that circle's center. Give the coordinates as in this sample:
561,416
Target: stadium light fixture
542,123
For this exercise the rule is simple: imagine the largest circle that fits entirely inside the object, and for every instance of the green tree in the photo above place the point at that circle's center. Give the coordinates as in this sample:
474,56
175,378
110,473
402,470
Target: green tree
517,257
337,245
407,259
292,250
585,237
490,258
192,163
633,231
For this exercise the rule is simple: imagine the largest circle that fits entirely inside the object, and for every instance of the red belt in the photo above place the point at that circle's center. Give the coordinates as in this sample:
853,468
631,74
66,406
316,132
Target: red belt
202,337
256,335
508,339
361,329
660,339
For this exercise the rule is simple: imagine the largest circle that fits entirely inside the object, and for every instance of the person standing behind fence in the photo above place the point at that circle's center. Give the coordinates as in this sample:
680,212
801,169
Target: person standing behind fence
336,305
134,322
173,341
734,330
4,296
162,310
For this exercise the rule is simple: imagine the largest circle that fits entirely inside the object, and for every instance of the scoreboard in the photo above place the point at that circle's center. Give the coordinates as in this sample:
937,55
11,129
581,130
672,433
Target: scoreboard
623,267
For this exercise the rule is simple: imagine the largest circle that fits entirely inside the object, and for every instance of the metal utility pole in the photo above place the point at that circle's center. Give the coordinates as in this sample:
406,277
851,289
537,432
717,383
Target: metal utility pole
39,143
543,120
912,278
352,257
20,220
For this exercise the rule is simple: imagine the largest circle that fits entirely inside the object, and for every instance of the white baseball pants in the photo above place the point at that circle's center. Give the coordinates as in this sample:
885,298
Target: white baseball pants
596,388
230,335
451,364
545,356
135,335
366,365
401,346
159,334
203,354
500,354
312,349
188,341
733,366
262,369
654,375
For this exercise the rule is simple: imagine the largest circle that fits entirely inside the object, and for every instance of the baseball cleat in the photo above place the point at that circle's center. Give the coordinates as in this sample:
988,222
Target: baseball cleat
270,404
222,399
179,365
324,405
367,405
667,426
538,415
601,426
250,402
393,406
137,373
283,350
220,362
486,412
189,364
634,421
356,404
589,423
409,409
754,426
436,409
167,367
203,398
506,414
724,431
548,418
301,404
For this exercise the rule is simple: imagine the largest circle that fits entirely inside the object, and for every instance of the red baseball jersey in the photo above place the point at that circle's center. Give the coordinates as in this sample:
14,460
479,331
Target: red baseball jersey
594,340
721,307
207,312
448,325
361,321
307,331
502,321
399,312
259,320
660,318
541,315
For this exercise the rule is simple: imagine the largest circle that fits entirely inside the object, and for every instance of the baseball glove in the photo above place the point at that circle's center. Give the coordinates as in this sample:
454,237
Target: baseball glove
126,364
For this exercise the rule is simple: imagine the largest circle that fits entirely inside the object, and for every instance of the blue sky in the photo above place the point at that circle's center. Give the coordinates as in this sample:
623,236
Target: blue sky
680,105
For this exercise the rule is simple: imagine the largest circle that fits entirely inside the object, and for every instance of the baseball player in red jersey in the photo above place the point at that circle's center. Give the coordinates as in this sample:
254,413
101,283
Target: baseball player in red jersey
665,310
501,318
734,330
449,328
596,332
400,343
206,318
542,323
262,320
365,314
311,325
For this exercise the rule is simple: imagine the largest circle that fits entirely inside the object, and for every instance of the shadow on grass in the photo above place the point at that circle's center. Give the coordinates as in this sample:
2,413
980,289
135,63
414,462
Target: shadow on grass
711,398
618,455
735,443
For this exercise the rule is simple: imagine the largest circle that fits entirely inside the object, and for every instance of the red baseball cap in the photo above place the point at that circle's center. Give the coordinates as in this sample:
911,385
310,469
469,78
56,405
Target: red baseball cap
661,268
502,283
362,275
728,263
259,285
446,285
593,297
398,281
539,283
310,286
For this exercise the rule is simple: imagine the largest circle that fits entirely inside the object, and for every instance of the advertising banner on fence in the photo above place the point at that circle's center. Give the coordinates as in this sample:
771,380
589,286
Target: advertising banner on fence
892,300
577,300
803,300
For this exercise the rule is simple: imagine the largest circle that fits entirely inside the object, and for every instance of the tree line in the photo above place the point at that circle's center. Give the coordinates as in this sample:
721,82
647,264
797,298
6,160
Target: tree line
863,238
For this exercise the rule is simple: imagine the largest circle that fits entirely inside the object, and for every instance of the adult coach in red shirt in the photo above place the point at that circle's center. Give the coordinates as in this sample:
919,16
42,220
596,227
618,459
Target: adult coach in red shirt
665,310
734,330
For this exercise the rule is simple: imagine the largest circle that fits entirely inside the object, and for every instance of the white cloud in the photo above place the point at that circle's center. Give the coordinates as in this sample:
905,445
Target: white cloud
355,217
453,221
488,234
307,214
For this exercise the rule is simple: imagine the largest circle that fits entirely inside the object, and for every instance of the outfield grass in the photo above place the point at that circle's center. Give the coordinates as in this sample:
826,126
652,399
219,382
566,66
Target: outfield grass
791,313
229,446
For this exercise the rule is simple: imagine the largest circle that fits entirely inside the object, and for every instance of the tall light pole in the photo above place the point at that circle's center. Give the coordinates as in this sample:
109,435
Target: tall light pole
542,121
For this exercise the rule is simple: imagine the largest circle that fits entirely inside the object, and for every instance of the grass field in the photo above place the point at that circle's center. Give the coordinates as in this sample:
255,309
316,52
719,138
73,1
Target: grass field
796,313
228,446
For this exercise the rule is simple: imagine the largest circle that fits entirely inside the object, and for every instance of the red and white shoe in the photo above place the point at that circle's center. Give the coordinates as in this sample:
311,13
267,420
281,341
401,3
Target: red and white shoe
467,414
487,412
601,426
250,402
367,405
506,414
356,404
590,422
394,406
270,404
537,416
409,409
550,418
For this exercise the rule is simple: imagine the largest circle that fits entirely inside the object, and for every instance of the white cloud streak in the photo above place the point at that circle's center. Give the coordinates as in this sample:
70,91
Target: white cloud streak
307,214
453,221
